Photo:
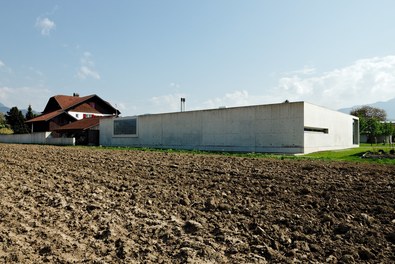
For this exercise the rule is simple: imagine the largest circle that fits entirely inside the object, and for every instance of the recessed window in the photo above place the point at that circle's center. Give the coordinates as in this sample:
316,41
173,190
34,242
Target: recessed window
316,129
355,131
125,127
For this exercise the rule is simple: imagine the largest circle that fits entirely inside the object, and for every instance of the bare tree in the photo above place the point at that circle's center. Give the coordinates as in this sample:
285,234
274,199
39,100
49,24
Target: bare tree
369,112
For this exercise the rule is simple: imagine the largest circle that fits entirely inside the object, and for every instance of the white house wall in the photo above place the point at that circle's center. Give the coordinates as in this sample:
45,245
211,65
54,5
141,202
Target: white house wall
80,115
263,128
339,126
36,138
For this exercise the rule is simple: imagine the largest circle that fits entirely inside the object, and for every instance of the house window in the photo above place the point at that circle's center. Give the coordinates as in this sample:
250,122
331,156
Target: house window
125,127
316,129
355,131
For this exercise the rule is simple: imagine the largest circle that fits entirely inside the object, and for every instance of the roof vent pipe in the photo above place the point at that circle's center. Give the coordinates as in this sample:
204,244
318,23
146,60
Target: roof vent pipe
182,104
76,94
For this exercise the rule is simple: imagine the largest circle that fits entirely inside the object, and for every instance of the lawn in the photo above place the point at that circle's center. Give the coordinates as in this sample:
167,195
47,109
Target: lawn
355,154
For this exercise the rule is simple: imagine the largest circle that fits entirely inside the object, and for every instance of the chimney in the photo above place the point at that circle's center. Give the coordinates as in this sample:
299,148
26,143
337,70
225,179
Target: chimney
182,104
76,94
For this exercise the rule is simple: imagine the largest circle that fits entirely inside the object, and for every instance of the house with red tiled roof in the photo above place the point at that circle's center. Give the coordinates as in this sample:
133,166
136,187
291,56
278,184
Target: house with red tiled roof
62,111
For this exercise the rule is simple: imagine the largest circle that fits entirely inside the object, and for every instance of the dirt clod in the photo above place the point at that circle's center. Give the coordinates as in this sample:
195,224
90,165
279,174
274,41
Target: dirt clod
192,226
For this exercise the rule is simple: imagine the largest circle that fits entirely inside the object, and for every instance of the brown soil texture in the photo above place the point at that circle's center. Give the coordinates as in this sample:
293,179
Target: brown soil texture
84,205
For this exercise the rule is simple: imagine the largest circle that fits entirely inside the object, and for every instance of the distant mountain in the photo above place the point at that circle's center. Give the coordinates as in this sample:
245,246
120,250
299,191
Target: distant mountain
4,109
388,106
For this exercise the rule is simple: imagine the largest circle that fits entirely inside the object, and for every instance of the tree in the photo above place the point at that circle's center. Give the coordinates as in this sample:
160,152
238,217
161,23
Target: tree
370,121
369,112
372,129
4,127
29,115
2,121
16,120
387,129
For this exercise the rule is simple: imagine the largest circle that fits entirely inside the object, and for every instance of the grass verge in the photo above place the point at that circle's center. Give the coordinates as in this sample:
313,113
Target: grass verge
355,154
351,155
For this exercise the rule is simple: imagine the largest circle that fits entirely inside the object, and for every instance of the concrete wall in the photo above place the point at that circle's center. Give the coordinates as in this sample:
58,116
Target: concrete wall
36,138
339,126
263,128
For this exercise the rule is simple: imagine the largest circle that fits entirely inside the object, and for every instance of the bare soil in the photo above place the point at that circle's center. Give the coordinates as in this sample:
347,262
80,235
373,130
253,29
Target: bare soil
82,205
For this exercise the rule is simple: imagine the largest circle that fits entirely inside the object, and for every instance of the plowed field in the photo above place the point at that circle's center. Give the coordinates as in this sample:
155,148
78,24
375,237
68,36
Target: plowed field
82,205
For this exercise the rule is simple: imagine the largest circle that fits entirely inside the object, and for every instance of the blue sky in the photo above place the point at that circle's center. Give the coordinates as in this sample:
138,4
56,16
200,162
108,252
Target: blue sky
143,56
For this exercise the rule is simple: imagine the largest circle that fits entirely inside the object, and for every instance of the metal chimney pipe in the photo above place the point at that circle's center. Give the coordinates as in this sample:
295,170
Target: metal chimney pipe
182,104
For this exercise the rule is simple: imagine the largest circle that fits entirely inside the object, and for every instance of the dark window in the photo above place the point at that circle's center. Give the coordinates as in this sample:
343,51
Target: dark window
125,126
316,129
355,131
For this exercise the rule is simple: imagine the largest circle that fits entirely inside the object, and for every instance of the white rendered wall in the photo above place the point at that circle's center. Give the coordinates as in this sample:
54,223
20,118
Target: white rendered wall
80,115
339,125
263,128
36,138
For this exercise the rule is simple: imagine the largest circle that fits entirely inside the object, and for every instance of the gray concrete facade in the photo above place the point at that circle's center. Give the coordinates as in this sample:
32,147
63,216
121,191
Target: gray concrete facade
272,128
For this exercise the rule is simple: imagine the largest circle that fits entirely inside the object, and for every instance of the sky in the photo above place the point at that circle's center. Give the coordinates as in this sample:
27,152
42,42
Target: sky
143,56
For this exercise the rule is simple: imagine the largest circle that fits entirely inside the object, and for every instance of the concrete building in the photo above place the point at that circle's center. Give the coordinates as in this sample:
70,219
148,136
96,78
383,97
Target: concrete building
293,128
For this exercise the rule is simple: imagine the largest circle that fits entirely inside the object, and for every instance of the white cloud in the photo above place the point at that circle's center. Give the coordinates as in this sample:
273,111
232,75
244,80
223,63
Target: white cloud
306,71
4,94
241,98
36,97
87,68
4,67
45,25
166,103
365,81
37,72
236,98
172,103
175,85
86,72
86,59
126,109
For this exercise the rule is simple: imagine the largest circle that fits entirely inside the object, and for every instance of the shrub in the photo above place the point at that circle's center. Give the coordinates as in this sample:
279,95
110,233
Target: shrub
381,151
6,131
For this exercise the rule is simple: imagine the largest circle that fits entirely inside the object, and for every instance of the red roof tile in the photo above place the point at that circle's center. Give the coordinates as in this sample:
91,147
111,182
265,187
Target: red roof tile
46,117
82,124
66,101
85,108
